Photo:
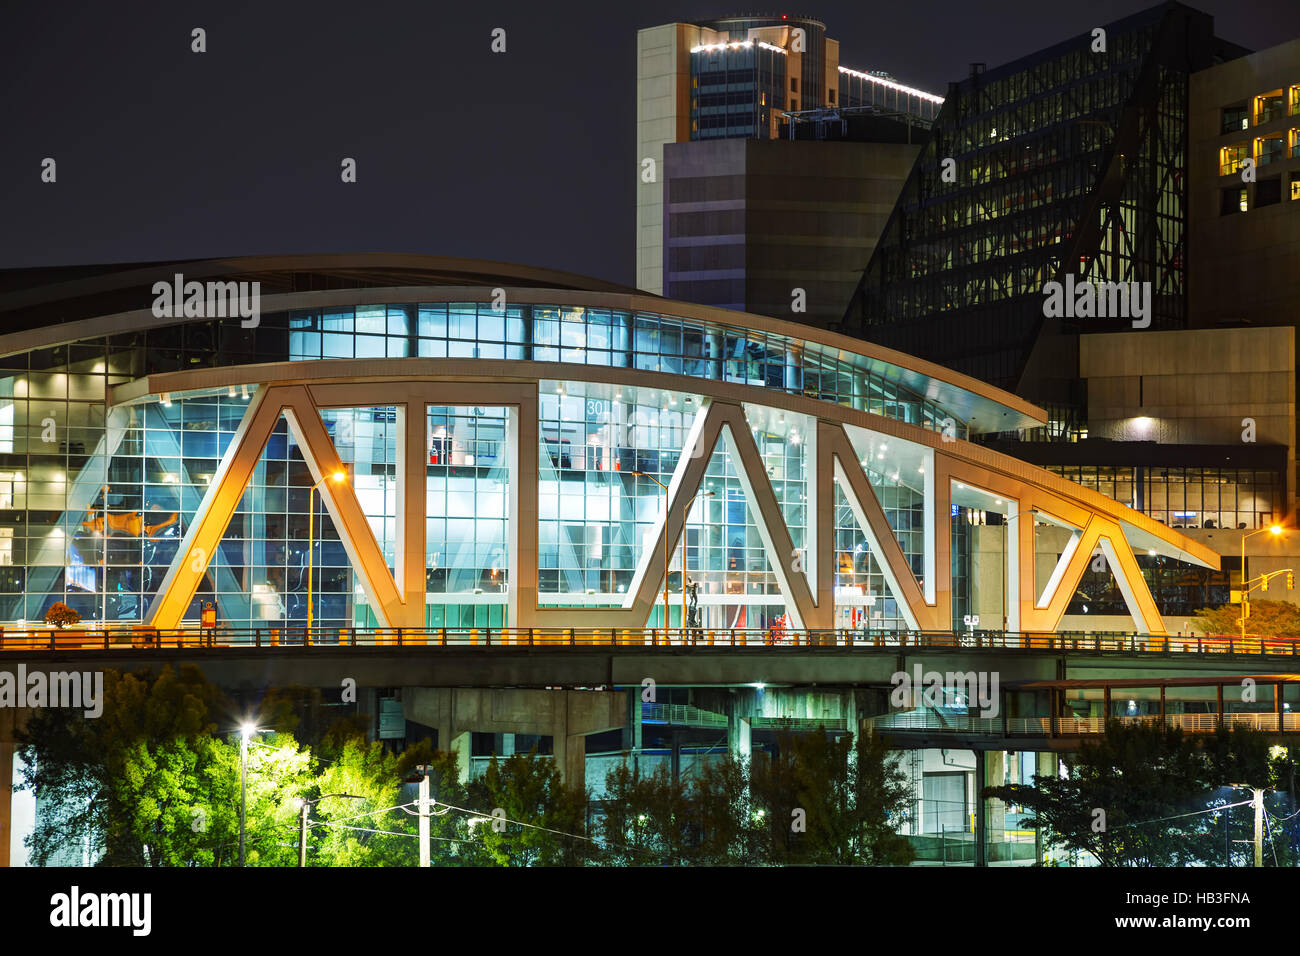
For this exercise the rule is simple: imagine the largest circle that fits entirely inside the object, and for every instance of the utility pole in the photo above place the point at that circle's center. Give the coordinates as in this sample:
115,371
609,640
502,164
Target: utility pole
1259,826
306,806
302,834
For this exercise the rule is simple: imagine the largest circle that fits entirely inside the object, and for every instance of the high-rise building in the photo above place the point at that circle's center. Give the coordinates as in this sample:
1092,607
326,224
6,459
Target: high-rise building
1069,162
1244,185
1115,164
745,78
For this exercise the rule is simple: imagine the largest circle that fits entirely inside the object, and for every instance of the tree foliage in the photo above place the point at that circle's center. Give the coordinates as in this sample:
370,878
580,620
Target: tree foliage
60,615
1267,619
816,800
1143,795
155,781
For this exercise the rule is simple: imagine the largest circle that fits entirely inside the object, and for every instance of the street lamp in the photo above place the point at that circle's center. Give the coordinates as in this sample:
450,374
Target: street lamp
686,510
665,488
245,731
337,477
1275,531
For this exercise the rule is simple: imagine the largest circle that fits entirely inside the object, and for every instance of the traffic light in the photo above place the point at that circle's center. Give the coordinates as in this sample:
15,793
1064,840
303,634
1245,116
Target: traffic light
1263,583
1290,581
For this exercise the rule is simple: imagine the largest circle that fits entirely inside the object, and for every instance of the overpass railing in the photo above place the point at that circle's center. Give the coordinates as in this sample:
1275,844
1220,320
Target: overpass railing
1207,723
145,637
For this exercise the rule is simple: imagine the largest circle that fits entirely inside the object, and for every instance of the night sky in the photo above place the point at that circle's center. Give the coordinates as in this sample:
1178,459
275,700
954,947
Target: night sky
526,156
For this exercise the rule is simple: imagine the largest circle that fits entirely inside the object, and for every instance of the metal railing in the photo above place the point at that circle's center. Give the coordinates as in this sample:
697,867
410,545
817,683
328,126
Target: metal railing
142,636
933,721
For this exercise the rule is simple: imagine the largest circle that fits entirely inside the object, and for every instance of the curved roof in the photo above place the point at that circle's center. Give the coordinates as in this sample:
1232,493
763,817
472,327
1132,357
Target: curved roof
45,307
32,298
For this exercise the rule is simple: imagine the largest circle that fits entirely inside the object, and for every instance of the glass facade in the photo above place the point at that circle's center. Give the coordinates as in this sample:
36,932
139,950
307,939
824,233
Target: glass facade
95,500
737,91
1069,161
1187,497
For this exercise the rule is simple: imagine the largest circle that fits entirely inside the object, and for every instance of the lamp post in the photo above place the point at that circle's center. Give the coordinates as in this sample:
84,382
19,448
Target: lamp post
336,477
245,731
1274,530
666,514
686,510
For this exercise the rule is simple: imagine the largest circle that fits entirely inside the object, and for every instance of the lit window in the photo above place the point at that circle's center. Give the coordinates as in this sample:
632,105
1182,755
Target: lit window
1269,150
1232,200
1235,118
1268,107
1230,158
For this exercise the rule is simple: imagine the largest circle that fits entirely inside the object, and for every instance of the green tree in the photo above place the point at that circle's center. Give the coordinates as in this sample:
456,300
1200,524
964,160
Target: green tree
1152,786
545,822
881,795
831,801
280,772
645,819
142,784
369,831
729,833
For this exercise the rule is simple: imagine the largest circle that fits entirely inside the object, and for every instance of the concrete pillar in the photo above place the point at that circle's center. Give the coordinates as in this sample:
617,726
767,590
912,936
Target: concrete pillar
461,743
368,701
632,733
570,754
992,810
738,736
507,745
851,720
1047,765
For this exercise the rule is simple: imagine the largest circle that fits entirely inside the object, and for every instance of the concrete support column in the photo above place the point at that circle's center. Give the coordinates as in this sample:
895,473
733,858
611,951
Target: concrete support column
632,733
738,736
1047,765
461,743
992,811
369,705
570,754
851,720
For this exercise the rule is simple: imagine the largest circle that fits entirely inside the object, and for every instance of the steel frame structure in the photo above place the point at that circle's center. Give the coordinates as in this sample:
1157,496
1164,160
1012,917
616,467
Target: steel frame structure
299,390
1068,161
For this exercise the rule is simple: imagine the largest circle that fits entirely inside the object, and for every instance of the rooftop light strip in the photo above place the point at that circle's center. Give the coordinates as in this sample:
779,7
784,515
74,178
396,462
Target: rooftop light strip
910,91
738,45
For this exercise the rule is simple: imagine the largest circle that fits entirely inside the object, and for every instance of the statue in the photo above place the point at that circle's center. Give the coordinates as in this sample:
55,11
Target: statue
693,608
